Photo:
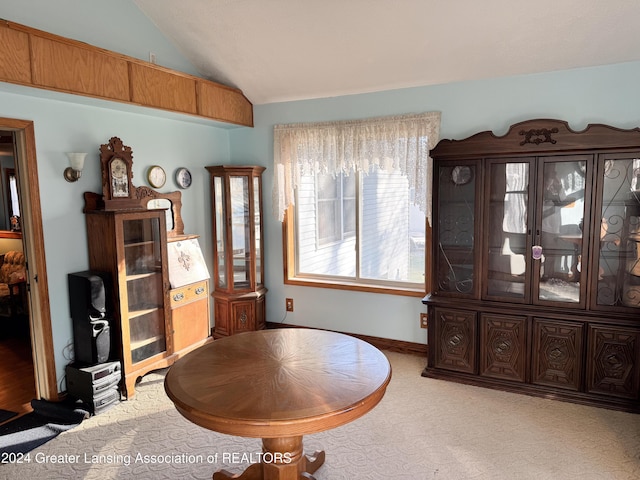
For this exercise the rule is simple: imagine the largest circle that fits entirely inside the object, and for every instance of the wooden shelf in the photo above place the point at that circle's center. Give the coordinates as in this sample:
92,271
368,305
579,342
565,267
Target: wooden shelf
39,59
145,342
141,312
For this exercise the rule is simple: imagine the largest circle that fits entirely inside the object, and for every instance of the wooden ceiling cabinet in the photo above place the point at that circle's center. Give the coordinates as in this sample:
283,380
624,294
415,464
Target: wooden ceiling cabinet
536,263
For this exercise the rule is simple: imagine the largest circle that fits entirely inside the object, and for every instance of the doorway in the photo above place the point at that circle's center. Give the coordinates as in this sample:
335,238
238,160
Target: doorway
35,330
17,376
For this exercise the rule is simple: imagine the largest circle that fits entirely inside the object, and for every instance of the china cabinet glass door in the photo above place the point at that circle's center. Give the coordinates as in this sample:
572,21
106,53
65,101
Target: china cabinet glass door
220,232
560,231
508,230
236,193
534,231
618,248
145,291
455,234
240,230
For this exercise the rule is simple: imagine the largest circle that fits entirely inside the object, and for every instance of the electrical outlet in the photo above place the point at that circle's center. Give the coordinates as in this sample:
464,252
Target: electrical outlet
289,304
424,320
152,57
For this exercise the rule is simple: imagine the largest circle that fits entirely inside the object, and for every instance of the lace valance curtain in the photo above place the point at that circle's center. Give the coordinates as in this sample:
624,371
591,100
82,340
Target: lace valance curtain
398,142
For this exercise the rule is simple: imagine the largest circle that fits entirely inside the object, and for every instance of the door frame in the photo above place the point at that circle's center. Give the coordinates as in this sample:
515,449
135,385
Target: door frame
33,241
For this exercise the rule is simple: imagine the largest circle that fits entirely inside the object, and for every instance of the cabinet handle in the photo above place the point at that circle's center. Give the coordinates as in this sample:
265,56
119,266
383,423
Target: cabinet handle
243,318
199,290
178,296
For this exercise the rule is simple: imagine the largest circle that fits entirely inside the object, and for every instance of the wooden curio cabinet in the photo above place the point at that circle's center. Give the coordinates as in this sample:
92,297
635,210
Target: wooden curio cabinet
131,247
238,276
536,262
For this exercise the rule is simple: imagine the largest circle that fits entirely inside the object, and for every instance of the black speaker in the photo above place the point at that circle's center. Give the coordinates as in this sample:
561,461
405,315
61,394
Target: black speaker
90,316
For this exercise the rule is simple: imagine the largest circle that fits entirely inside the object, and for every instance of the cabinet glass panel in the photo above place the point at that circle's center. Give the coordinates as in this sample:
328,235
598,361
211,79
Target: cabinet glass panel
455,234
240,233
619,245
220,231
143,267
507,226
561,231
257,229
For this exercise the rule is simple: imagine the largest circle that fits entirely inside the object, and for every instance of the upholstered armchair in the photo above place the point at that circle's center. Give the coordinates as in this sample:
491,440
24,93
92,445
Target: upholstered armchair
12,284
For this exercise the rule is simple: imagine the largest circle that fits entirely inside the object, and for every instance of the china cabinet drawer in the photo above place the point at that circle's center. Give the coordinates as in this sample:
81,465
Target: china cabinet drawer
188,293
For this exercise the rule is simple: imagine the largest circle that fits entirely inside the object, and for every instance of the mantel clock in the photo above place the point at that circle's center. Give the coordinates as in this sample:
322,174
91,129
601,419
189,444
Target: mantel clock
116,161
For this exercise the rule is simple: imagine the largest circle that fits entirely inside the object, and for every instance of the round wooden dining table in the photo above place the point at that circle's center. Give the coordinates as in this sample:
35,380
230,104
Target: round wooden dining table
278,385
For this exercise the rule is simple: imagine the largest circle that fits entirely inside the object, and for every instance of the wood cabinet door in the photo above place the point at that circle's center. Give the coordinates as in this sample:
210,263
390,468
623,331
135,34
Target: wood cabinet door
189,315
243,316
223,103
15,63
613,361
158,87
557,354
75,69
503,347
455,340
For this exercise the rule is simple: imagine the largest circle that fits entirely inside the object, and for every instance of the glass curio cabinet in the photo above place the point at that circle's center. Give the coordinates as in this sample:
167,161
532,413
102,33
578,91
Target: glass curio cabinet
536,262
131,247
238,279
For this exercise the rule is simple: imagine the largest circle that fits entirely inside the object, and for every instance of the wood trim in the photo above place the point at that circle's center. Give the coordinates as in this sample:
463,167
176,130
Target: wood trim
43,60
399,346
40,311
288,256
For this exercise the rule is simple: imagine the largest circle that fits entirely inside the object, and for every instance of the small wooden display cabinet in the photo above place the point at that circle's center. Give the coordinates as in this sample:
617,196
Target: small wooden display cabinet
137,236
130,246
238,277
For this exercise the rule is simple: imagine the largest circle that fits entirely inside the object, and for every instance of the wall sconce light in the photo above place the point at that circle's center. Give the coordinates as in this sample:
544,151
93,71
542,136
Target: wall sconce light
76,162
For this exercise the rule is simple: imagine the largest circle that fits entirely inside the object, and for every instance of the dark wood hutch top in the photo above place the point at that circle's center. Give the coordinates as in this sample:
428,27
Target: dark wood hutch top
539,136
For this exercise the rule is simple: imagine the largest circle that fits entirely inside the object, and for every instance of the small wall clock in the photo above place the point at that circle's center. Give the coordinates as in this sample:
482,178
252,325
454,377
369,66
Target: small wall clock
461,175
183,177
156,176
116,160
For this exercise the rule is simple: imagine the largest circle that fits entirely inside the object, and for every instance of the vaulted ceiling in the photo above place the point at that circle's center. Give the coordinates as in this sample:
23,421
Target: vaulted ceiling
281,50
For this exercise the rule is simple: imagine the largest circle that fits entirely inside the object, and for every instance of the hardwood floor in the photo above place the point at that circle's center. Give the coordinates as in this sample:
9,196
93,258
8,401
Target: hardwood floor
17,380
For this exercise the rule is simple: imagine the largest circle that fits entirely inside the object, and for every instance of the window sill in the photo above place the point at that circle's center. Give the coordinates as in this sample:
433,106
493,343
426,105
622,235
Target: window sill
358,287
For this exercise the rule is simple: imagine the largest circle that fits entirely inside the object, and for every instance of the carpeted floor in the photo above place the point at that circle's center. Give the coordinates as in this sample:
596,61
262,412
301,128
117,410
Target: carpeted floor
422,429
46,421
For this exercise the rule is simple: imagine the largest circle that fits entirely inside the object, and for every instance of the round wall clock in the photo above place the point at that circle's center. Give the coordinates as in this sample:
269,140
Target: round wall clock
183,177
156,176
461,175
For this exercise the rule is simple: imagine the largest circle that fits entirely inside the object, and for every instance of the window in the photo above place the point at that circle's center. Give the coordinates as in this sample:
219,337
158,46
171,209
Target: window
335,207
356,215
360,228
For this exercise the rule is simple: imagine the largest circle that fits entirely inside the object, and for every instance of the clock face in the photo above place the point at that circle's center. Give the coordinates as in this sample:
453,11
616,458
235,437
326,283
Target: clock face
183,178
461,175
156,176
119,178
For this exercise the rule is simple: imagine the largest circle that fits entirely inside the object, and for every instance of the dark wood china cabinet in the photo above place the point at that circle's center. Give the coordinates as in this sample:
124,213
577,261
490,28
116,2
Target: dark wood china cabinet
536,262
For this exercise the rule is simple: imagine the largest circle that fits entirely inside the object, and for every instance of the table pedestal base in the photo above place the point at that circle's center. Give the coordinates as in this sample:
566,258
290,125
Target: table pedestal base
283,459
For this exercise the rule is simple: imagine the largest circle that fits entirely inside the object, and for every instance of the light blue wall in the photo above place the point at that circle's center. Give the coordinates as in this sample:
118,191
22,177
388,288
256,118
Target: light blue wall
592,95
60,127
